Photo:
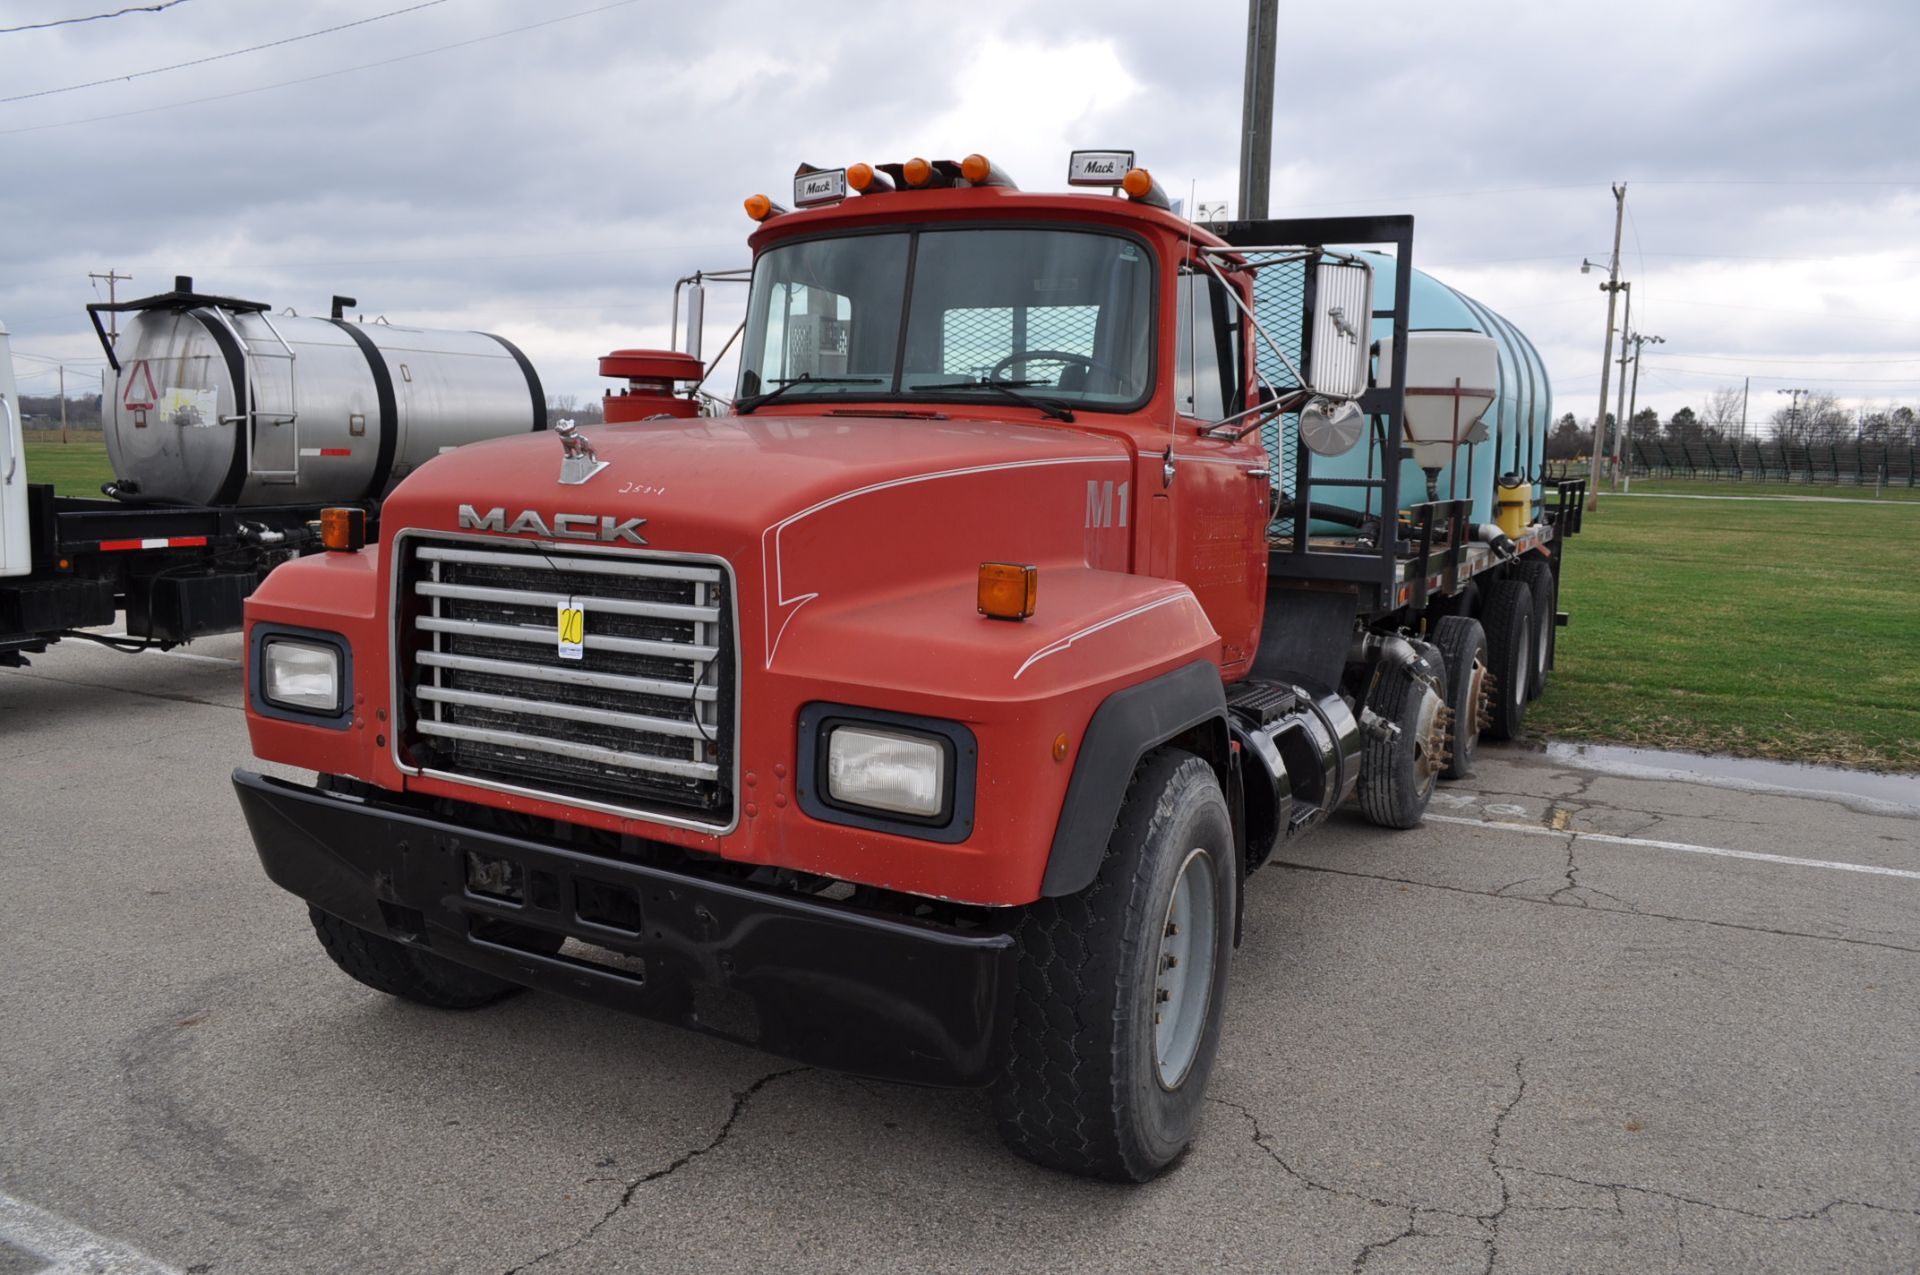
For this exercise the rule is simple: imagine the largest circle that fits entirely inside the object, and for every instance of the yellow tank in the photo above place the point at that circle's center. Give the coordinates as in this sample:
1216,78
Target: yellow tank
1511,497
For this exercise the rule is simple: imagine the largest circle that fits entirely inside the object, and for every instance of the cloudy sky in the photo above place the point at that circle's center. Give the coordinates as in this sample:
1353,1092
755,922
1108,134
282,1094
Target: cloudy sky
546,168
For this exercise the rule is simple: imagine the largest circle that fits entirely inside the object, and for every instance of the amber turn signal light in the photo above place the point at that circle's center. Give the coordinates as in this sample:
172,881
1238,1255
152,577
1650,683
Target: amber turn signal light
343,529
1008,589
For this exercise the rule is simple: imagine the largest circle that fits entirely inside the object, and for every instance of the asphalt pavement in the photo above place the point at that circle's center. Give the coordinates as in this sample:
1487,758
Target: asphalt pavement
1575,1023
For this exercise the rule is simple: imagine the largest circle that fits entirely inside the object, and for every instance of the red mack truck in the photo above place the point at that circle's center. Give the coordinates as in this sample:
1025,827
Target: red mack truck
924,713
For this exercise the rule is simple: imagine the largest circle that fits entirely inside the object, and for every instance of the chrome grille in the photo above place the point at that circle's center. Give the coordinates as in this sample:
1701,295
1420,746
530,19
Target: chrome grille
641,722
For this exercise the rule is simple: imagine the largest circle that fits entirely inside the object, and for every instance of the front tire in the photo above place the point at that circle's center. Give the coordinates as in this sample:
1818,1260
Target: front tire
1120,989
407,972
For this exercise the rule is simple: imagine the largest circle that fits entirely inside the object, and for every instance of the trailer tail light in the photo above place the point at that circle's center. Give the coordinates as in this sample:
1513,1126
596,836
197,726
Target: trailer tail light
343,529
1008,590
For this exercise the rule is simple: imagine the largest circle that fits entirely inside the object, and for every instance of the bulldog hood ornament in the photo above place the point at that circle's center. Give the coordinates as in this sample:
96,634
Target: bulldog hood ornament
577,461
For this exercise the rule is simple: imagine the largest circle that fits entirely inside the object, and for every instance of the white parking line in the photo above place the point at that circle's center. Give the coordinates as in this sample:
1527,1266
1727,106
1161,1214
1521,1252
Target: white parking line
1682,846
69,1247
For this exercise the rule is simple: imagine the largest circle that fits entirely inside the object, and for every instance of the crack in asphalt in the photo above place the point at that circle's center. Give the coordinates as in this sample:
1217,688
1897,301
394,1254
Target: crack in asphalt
1500,1166
1414,1209
1365,1255
741,1099
1626,910
1821,1214
1493,1220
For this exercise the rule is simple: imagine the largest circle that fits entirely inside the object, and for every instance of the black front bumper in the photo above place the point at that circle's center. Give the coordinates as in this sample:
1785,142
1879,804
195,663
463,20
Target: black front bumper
821,982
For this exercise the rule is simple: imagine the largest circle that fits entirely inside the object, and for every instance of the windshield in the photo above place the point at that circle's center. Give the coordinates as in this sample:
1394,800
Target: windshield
1067,313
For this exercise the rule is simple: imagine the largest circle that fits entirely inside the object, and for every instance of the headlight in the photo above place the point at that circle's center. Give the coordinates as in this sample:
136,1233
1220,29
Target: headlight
303,676
880,769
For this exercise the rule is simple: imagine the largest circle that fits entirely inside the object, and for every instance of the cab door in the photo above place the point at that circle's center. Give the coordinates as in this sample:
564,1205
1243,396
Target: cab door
1217,499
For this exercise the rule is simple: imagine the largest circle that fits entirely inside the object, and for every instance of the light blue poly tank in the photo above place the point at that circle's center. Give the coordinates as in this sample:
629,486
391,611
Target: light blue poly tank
1517,423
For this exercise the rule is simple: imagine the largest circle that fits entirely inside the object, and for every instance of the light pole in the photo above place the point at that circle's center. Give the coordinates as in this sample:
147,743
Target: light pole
1620,405
1633,398
1793,408
1612,288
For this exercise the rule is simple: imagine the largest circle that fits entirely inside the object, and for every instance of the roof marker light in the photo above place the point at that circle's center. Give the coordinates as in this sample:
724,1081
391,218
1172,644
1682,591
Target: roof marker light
759,207
863,178
917,171
981,171
1141,188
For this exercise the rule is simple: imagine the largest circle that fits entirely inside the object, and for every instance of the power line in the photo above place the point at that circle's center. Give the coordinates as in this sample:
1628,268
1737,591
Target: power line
217,57
326,75
1748,358
62,22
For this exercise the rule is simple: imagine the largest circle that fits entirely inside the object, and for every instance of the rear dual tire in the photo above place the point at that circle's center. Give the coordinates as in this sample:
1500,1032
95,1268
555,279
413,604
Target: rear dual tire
1508,618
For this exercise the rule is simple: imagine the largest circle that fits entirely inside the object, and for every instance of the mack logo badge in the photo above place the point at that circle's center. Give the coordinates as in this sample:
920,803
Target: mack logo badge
563,527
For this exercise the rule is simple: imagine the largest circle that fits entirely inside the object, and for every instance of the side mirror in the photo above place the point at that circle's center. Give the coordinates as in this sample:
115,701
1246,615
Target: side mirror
1342,327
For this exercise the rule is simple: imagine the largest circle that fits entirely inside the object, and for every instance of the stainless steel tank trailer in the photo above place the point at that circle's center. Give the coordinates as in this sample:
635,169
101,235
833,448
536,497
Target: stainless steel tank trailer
229,429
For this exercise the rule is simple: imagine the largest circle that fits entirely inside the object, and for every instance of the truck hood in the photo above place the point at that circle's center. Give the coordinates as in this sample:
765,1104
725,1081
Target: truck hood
837,508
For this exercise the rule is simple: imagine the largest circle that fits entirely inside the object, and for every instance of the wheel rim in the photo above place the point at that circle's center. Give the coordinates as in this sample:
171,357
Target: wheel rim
1183,970
1430,739
1523,666
1474,714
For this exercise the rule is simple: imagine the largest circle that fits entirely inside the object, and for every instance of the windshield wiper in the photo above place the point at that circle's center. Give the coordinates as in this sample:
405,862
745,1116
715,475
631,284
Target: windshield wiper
745,405
1053,407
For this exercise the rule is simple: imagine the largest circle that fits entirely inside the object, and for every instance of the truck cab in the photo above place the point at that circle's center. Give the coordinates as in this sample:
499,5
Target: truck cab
922,711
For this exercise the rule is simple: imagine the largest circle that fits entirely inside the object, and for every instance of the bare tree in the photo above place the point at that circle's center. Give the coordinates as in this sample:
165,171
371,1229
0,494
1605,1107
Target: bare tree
1817,420
1722,413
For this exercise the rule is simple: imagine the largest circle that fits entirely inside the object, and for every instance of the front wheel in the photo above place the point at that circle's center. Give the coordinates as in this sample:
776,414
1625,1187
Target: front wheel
410,973
1120,989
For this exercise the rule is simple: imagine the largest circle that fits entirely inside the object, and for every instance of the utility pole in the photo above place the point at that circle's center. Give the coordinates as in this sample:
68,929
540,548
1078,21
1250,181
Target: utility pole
1612,288
1256,110
1633,397
1620,410
113,277
63,402
1745,390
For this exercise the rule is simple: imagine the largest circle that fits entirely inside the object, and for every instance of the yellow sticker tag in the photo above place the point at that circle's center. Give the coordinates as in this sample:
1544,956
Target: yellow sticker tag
571,625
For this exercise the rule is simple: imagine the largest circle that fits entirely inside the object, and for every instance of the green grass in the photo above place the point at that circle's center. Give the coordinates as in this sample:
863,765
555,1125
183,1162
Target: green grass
1762,629
74,469
1708,487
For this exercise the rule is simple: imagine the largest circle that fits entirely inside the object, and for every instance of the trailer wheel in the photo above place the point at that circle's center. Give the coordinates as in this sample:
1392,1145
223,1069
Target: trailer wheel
1538,577
1119,990
403,971
1463,645
1398,772
1508,620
